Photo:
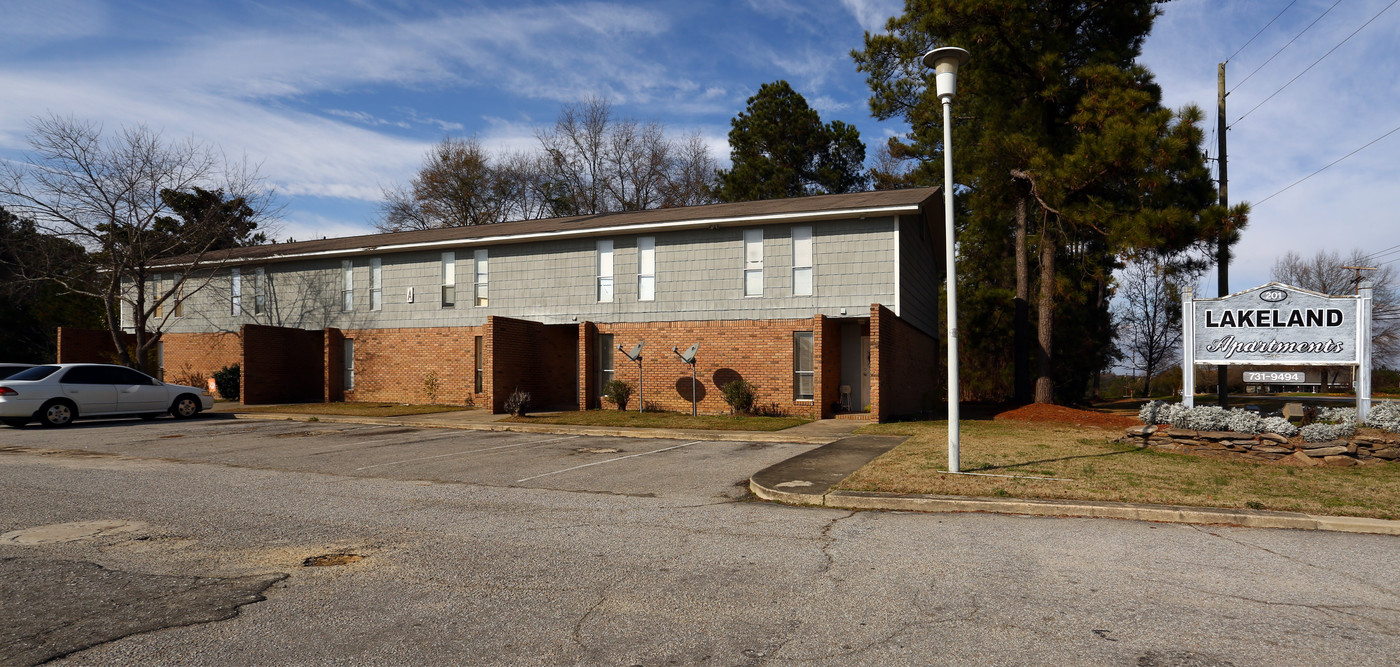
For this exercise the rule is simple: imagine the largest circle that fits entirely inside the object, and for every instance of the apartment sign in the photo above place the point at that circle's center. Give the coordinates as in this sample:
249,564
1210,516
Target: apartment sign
1276,324
1279,325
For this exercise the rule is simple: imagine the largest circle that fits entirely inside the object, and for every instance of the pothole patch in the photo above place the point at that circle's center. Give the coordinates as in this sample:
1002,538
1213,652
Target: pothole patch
793,484
296,434
598,450
69,532
332,560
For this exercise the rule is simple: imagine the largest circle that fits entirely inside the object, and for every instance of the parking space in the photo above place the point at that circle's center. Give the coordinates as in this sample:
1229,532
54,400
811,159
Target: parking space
632,466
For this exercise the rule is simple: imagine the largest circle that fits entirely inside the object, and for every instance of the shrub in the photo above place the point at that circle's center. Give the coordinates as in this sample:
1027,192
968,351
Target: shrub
189,377
1278,425
1207,418
227,379
1326,432
1244,421
517,403
740,395
1153,412
770,410
431,386
618,393
1337,415
1385,416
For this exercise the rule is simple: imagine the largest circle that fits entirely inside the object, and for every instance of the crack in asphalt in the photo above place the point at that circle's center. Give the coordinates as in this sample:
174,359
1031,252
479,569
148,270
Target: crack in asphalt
829,541
1385,627
1292,559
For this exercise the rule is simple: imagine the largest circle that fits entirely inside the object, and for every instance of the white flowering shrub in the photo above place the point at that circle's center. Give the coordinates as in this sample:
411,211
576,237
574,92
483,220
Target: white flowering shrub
1177,415
1153,411
1385,416
1278,425
1318,432
1337,415
1244,421
1207,418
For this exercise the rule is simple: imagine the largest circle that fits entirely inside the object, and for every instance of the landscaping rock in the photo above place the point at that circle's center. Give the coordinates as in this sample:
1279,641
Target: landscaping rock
1266,449
1304,459
1389,453
1142,431
1351,448
1180,433
1338,461
1274,437
1322,452
1324,445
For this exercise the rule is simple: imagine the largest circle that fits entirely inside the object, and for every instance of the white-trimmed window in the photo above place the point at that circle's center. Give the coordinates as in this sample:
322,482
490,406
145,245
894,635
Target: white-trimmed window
479,351
449,279
605,271
646,268
235,291
259,290
803,366
156,291
376,283
802,261
178,297
605,362
349,364
480,261
347,290
753,262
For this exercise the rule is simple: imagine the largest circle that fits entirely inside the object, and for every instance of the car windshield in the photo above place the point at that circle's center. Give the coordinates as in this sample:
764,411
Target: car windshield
35,373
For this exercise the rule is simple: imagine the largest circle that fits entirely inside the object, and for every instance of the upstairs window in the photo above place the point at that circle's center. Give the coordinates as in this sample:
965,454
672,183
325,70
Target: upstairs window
605,271
802,261
155,292
646,268
347,291
449,279
480,261
259,290
179,295
376,283
235,291
753,262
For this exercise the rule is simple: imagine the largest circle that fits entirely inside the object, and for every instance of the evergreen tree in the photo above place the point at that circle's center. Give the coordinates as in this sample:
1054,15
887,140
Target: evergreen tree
1064,149
780,148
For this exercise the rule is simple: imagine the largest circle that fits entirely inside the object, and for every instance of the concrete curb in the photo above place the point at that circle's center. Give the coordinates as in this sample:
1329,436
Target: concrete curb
861,500
559,429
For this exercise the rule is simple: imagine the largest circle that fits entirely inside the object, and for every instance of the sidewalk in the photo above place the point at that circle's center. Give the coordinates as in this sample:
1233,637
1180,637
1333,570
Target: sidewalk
812,433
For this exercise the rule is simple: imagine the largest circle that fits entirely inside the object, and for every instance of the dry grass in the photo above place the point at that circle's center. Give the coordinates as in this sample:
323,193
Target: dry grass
353,409
632,418
1099,469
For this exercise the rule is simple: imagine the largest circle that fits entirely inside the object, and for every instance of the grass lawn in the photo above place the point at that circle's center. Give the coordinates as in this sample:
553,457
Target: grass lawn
1099,469
662,420
353,409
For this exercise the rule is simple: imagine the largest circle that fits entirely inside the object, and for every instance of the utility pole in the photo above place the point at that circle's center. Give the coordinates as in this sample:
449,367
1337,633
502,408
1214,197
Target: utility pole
1222,247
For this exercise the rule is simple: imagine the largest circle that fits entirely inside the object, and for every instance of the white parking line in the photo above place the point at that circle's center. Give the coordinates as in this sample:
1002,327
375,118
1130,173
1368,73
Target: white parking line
598,463
469,451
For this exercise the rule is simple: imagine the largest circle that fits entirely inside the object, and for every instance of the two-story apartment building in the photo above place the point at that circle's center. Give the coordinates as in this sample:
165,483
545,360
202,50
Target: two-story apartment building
827,304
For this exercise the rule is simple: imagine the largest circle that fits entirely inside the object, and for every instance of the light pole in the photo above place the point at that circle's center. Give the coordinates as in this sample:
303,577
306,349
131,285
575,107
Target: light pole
945,61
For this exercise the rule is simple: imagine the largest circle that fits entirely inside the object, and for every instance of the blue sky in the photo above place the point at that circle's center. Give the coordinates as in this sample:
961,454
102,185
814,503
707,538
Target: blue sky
336,100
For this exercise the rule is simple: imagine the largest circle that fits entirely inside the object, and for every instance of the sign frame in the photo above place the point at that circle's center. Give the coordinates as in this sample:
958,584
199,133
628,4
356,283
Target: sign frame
1302,331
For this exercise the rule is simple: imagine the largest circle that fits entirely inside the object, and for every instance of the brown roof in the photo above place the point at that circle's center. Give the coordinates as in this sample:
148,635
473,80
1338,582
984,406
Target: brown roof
715,214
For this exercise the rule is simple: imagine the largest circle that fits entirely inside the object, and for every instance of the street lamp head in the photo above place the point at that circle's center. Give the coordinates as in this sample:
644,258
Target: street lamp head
945,61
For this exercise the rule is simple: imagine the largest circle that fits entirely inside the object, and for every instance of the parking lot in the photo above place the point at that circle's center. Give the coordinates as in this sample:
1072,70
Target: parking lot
629,466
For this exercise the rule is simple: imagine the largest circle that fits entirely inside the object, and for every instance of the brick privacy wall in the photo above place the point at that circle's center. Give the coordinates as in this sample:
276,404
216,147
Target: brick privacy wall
904,366
282,365
395,364
192,359
333,387
537,358
588,397
759,351
85,346
827,338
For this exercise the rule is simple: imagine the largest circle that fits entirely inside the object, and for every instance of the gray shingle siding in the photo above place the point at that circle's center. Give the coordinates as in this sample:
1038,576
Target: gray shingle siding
920,273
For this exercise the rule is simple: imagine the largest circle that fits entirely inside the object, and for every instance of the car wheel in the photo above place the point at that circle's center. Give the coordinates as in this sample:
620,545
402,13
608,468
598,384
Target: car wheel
185,406
57,413
14,422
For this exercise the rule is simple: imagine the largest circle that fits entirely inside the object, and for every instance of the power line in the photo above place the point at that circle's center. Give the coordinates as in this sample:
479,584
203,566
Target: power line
1380,253
1315,62
1290,42
1261,31
1397,129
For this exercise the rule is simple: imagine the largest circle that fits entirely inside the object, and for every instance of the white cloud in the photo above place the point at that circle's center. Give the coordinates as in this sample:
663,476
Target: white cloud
872,14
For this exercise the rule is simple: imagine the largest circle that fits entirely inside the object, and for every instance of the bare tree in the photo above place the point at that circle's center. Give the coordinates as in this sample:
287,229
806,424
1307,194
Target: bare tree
457,186
691,181
1149,318
142,207
1327,273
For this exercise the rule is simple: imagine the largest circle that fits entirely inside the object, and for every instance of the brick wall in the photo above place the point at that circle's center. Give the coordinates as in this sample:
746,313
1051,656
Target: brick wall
759,351
194,357
398,365
282,365
588,397
537,358
85,346
904,367
332,360
827,339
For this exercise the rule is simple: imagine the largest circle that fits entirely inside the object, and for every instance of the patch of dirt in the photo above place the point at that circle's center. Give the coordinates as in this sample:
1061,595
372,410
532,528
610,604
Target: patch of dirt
329,560
598,450
1041,412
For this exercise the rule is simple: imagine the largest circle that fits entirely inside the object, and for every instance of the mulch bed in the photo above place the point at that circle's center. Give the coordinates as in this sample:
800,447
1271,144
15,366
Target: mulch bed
1042,412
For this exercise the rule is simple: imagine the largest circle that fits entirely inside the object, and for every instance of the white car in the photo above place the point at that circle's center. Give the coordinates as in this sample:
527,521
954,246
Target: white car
56,394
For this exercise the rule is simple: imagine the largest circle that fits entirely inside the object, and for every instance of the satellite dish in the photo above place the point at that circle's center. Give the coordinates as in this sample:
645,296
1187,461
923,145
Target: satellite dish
636,352
689,355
